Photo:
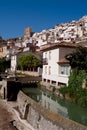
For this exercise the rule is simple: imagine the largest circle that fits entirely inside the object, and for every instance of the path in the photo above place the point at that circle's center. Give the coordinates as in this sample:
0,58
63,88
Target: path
10,119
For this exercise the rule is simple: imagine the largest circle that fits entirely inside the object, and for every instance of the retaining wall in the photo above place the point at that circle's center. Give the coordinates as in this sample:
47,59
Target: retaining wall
41,118
32,73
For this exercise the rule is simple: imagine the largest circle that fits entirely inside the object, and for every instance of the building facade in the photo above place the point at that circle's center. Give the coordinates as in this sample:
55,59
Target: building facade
56,68
3,51
13,63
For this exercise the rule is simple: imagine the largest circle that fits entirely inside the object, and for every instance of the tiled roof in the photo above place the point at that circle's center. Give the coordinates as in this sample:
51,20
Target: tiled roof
63,61
57,45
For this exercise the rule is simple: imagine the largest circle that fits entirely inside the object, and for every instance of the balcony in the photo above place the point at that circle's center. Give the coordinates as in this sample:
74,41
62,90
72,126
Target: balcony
45,61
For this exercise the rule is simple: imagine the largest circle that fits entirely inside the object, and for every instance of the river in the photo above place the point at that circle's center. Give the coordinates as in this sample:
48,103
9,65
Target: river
51,102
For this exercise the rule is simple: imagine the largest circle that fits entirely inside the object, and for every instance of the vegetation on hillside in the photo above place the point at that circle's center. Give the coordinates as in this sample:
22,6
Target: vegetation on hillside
77,85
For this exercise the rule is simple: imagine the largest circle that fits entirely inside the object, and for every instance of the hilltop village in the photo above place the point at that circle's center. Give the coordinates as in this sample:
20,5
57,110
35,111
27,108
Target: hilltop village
50,46
72,32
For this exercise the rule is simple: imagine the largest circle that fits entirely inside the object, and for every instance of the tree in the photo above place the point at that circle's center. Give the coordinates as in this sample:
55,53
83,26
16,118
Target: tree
4,64
77,85
78,59
28,61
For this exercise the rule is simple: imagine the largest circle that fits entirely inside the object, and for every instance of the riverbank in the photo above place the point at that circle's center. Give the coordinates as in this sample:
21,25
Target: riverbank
10,119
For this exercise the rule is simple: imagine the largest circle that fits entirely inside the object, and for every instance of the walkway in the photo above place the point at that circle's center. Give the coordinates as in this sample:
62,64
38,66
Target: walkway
10,119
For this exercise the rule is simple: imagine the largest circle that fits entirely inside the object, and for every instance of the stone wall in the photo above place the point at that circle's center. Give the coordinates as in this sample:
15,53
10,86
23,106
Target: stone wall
41,118
10,89
3,89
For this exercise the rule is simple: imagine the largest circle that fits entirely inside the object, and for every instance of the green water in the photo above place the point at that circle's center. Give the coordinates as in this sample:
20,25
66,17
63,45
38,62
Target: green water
51,102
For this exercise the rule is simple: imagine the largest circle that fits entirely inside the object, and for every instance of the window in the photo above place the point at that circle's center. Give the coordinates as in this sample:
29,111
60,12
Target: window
49,55
65,69
45,69
45,54
49,70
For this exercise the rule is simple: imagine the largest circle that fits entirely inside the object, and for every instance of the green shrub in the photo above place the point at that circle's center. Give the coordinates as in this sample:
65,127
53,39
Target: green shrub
53,89
74,89
82,101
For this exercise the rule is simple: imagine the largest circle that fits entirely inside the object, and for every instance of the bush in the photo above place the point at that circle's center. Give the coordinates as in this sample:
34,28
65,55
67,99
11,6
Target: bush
82,101
74,89
53,89
64,90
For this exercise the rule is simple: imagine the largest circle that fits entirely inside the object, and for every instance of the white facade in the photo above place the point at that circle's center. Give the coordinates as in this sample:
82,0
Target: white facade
13,63
56,72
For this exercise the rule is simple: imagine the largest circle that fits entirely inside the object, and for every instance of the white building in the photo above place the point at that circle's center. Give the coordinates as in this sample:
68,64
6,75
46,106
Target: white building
13,63
56,68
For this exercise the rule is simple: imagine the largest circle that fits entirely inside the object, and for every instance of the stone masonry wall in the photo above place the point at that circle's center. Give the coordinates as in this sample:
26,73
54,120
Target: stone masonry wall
41,118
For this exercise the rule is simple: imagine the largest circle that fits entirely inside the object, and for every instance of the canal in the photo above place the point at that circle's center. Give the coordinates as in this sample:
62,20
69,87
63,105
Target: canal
61,106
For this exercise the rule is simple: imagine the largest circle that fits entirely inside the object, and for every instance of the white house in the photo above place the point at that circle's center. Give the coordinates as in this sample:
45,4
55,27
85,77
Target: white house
13,63
56,68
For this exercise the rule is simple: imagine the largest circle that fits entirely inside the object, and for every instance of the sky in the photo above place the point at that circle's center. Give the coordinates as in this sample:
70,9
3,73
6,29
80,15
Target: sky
16,15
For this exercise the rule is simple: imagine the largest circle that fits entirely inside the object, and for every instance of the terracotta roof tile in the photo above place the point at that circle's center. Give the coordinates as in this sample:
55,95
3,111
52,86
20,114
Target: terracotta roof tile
63,61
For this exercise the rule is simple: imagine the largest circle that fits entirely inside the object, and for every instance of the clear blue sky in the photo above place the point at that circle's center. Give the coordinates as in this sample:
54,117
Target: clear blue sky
15,15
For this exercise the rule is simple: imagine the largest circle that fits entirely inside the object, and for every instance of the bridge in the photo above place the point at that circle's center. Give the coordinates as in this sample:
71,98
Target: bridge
11,86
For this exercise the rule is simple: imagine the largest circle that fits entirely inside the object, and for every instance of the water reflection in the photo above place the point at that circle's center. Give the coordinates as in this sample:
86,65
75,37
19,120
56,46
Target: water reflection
53,105
58,105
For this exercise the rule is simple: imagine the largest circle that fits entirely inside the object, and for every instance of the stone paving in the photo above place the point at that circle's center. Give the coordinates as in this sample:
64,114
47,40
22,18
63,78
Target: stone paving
10,119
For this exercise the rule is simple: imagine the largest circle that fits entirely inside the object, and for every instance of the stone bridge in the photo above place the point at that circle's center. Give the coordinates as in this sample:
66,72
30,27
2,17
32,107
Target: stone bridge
10,88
